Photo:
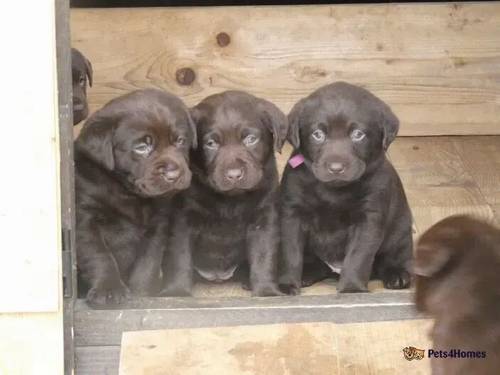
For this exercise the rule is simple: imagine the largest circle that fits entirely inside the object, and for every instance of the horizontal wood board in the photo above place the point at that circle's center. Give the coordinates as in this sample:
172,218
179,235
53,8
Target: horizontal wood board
437,65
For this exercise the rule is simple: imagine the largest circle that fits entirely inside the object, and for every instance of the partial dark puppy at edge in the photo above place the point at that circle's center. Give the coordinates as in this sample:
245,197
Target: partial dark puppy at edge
81,70
230,215
457,264
131,157
344,206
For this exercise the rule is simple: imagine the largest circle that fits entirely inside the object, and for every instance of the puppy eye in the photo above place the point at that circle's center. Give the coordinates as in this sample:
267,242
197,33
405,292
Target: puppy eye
82,81
142,149
318,136
250,140
180,141
211,144
357,135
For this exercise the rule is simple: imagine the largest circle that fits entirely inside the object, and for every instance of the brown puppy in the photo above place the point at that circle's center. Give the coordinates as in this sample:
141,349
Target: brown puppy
130,158
457,269
81,70
230,215
343,204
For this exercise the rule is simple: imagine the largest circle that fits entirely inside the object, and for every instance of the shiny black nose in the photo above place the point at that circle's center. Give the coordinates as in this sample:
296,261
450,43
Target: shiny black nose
234,174
169,171
336,168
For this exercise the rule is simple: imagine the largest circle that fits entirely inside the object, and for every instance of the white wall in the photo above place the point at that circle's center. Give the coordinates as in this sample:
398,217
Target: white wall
30,270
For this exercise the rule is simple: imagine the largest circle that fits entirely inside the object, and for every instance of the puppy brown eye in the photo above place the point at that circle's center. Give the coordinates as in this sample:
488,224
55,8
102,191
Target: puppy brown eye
357,135
180,141
211,145
250,140
318,136
82,81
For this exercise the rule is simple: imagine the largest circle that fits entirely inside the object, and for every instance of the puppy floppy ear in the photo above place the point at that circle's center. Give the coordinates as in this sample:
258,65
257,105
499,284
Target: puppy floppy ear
275,120
390,126
430,260
96,141
89,71
293,135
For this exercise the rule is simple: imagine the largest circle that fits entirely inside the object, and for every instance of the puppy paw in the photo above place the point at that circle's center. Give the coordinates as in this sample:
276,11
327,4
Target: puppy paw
307,282
290,289
102,295
267,291
396,279
246,285
351,286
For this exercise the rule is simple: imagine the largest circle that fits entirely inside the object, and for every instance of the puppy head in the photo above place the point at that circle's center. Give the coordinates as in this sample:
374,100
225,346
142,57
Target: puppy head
237,133
144,139
81,70
342,130
456,269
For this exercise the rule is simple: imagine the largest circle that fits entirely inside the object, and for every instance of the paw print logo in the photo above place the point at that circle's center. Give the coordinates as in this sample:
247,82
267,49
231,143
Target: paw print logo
411,353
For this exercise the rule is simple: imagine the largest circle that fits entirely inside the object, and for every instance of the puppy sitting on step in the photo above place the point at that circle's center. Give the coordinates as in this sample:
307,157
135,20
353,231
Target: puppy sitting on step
229,221
131,158
457,267
343,203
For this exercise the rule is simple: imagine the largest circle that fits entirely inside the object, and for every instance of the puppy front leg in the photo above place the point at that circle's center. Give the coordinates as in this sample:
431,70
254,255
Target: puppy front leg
363,245
262,254
99,268
292,253
144,279
177,262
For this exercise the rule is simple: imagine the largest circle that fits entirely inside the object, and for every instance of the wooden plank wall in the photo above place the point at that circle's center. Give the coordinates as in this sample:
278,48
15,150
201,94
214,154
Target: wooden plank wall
437,65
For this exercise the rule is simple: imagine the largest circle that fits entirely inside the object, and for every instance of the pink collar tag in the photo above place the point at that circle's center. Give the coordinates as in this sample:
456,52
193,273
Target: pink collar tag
296,160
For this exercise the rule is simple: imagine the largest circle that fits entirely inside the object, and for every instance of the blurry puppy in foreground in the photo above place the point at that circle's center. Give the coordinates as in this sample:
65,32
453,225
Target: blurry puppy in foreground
457,268
81,73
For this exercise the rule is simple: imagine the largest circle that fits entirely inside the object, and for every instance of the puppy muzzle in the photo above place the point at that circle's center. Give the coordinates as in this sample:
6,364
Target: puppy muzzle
163,177
338,170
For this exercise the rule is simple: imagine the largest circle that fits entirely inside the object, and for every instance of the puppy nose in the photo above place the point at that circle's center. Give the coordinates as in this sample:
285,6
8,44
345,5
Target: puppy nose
336,168
169,171
234,174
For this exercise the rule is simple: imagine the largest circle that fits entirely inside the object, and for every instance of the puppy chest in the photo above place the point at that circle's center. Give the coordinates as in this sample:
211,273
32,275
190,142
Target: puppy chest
220,245
327,221
327,234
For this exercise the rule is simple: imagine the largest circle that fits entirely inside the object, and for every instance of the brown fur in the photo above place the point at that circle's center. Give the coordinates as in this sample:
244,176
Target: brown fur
457,269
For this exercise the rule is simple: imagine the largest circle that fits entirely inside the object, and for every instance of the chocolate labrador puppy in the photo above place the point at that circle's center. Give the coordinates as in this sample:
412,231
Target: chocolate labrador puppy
457,263
230,214
342,201
131,157
81,69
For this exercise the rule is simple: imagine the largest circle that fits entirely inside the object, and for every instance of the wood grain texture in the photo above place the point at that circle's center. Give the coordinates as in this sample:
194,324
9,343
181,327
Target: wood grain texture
293,349
437,180
435,64
481,158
